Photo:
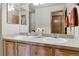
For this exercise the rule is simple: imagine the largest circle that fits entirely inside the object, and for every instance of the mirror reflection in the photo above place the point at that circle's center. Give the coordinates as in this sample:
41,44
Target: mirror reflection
16,14
56,18
53,18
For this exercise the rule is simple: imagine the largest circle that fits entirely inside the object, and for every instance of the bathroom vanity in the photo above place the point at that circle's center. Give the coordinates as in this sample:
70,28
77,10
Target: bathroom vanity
15,45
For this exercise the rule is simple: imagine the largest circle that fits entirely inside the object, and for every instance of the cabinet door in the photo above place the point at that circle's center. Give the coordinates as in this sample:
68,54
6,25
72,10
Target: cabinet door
42,51
23,49
34,50
64,52
45,51
9,48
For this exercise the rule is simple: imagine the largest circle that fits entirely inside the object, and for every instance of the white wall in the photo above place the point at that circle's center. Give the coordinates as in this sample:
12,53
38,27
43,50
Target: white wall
13,28
69,7
1,46
43,16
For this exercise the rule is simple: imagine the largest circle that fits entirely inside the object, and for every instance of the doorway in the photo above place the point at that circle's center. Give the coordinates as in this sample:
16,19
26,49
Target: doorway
57,22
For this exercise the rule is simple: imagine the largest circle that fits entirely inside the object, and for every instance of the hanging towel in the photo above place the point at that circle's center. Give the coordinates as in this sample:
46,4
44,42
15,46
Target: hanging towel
65,13
74,17
67,21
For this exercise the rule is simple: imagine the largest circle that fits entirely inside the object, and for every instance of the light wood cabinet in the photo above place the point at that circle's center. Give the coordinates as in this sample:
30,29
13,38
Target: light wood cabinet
9,49
65,52
34,50
23,49
42,51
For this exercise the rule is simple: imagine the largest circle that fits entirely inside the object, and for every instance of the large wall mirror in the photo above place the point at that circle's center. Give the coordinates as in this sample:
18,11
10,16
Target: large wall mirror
16,13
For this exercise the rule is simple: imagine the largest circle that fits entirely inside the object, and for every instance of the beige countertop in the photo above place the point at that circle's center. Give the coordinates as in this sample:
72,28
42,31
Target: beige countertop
71,44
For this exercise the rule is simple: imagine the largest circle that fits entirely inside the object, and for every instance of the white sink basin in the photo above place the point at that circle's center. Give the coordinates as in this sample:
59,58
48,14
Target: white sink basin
27,37
23,37
55,40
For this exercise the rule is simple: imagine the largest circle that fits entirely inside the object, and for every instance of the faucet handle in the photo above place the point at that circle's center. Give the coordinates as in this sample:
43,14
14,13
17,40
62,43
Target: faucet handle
43,30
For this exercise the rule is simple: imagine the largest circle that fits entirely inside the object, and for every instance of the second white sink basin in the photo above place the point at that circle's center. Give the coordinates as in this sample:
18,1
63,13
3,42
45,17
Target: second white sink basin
55,40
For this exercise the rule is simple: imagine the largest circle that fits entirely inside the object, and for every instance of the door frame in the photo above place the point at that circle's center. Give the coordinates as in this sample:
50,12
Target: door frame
55,13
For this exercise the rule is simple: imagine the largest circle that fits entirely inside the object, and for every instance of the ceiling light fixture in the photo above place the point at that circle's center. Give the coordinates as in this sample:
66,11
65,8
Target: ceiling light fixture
38,3
10,8
35,3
